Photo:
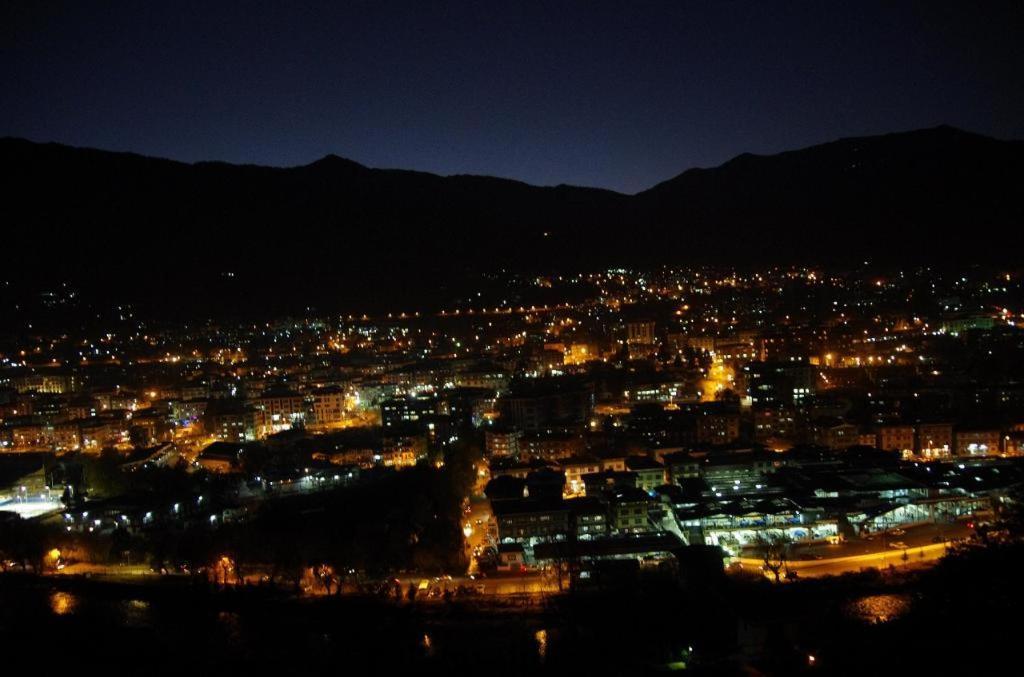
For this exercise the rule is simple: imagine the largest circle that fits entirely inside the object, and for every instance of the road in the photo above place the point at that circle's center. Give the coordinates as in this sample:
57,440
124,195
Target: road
107,571
808,562
532,583
720,377
913,536
475,529
916,556
924,543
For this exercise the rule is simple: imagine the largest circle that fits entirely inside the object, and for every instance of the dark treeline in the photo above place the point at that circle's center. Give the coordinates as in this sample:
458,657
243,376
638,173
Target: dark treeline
390,522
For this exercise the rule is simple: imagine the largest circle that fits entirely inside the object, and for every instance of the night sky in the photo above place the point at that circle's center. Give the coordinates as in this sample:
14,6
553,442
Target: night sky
614,94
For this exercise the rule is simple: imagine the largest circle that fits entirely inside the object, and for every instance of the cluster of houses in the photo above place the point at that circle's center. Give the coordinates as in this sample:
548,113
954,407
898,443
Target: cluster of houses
732,497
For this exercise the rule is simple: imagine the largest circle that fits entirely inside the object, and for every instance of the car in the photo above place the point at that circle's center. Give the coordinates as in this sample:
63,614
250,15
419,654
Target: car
898,545
897,532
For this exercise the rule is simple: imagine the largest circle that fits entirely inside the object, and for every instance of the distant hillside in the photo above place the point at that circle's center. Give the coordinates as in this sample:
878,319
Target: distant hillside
893,197
263,211
335,224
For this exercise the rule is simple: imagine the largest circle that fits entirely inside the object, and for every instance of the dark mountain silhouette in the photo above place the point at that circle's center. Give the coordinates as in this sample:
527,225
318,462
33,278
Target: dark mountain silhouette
332,202
911,196
74,213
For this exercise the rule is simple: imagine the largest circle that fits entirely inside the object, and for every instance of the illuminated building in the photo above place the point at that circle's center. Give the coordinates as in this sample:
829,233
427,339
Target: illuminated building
834,433
492,378
546,403
501,441
737,470
934,440
45,382
279,410
581,353
328,405
232,420
779,383
718,427
896,438
640,339
221,457
977,442
774,424
400,410
628,510
640,333
679,465
102,431
737,350
649,473
550,446
575,469
403,450
529,520
589,515
599,483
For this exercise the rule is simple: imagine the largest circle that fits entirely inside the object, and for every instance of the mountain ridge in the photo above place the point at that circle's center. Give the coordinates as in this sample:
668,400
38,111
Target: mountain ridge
333,159
79,212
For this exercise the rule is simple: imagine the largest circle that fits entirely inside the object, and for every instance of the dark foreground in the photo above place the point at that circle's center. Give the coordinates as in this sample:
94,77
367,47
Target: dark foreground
959,616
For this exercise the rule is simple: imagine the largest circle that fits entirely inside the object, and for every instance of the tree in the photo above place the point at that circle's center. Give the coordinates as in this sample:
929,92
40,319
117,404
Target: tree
775,553
120,544
139,436
223,567
1010,514
103,475
325,575
25,542
727,395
